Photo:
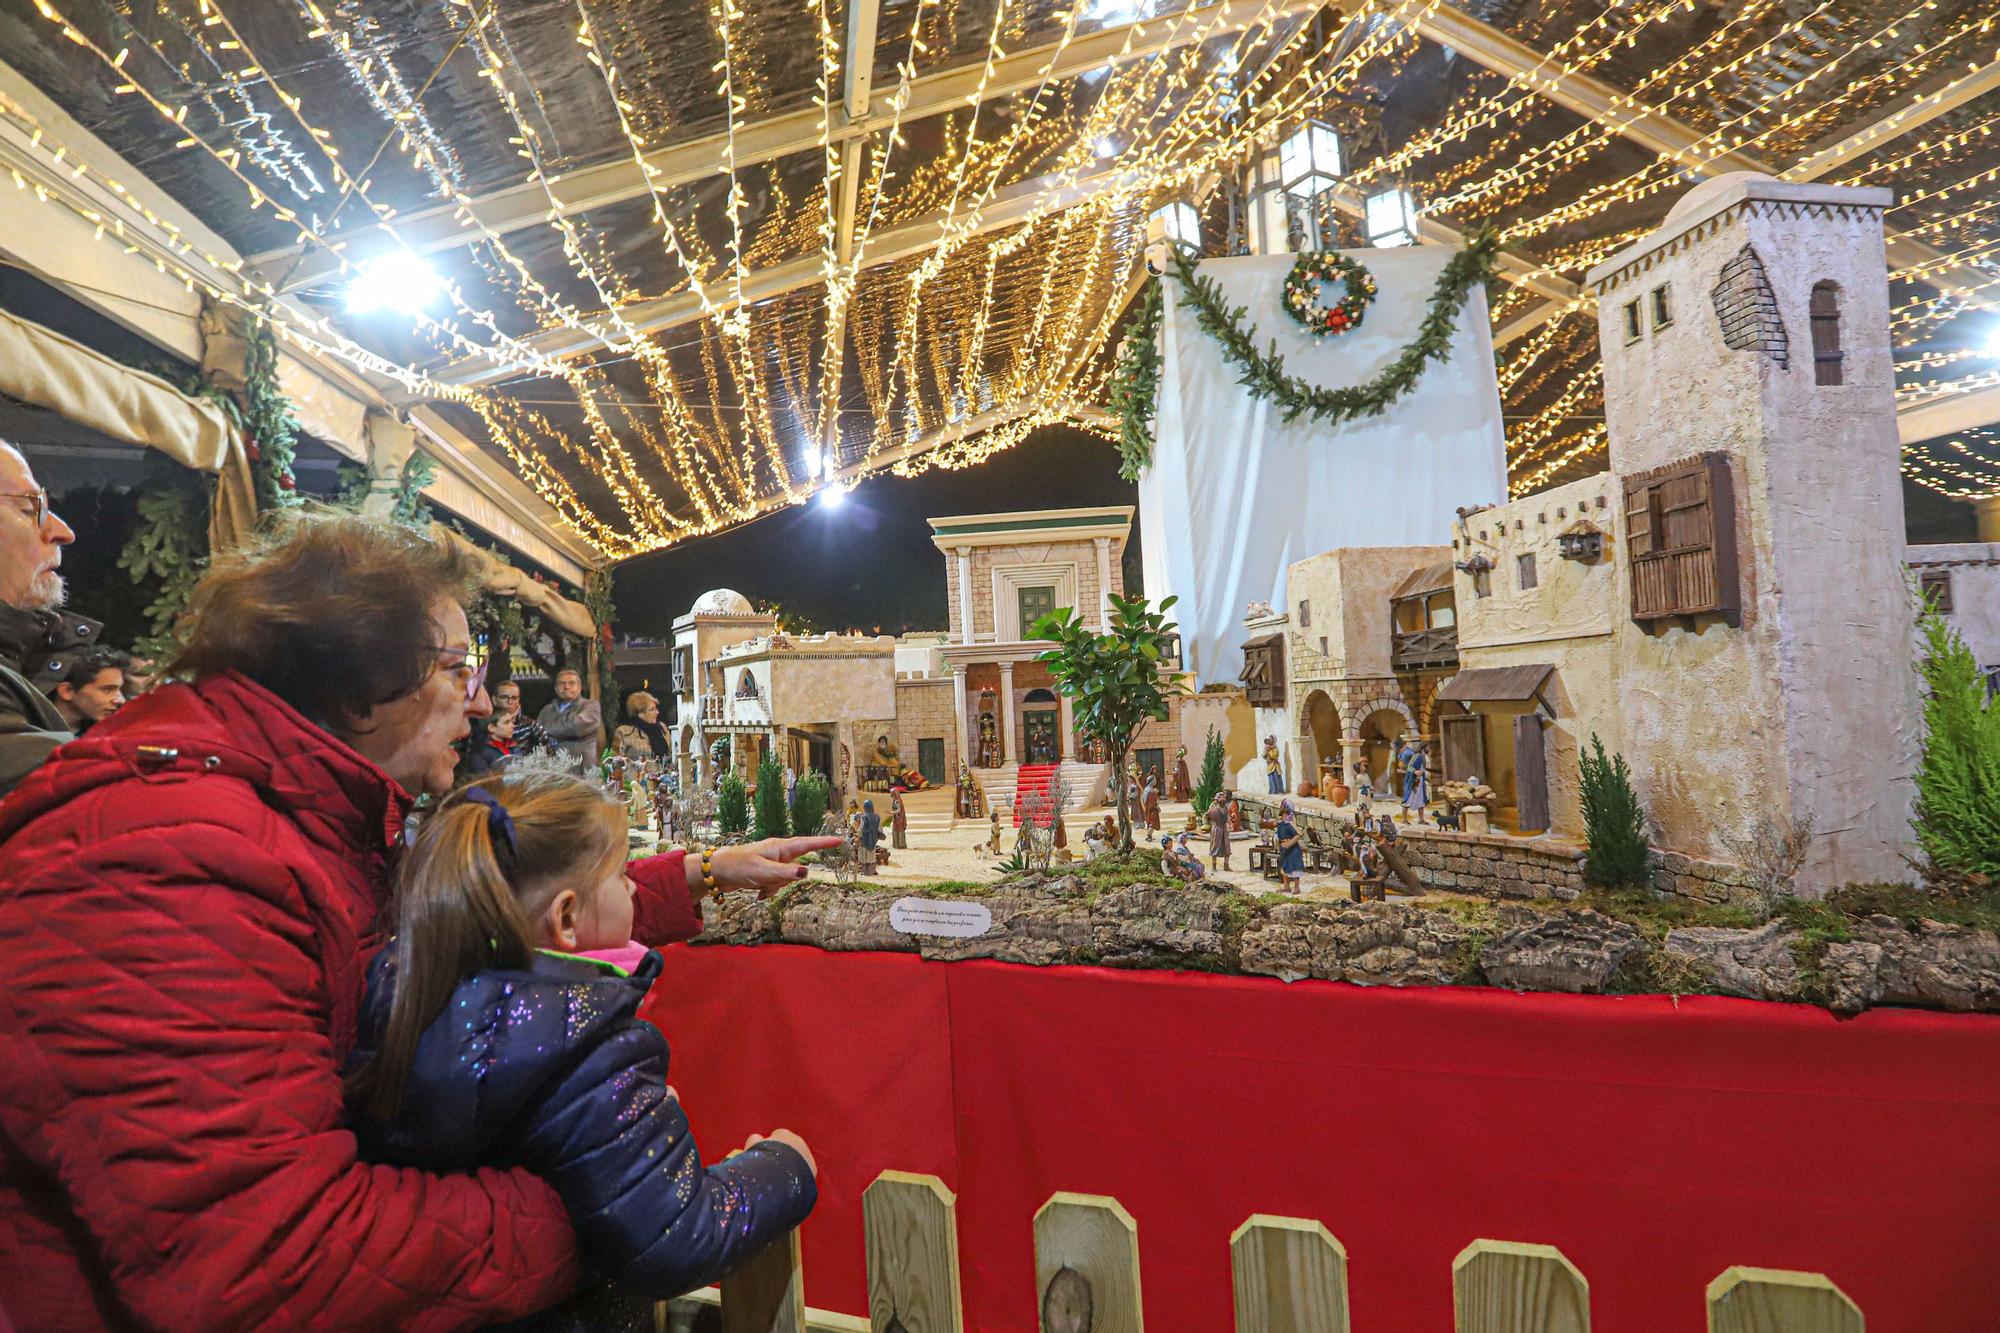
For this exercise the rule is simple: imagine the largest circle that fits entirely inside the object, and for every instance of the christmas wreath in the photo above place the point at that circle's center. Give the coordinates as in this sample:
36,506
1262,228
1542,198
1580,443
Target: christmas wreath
1302,292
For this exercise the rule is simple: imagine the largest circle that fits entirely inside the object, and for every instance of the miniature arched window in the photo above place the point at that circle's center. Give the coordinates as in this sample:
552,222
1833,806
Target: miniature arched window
1826,332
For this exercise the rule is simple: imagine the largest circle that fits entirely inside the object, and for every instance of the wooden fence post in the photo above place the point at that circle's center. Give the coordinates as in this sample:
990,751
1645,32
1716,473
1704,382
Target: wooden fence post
1501,1286
1087,1266
912,1255
1772,1300
766,1294
1290,1275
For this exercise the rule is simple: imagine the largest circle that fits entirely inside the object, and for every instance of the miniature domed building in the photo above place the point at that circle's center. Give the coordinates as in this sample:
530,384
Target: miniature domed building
722,602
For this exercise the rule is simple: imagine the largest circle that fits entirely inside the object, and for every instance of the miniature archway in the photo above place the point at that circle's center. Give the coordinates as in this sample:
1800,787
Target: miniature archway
1376,725
1319,732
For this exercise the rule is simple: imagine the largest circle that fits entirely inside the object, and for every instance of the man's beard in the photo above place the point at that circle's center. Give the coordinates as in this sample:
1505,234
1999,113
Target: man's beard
47,592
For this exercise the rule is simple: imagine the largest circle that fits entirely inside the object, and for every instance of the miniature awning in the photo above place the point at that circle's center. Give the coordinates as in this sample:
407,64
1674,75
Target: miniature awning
1262,641
1429,579
1509,684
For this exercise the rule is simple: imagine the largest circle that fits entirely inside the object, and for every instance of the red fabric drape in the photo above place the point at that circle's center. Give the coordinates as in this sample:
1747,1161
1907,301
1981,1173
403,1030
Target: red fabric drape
1654,1142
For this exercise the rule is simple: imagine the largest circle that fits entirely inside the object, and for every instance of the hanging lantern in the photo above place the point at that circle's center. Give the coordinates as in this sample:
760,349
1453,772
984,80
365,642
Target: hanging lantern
1391,217
1171,226
1309,161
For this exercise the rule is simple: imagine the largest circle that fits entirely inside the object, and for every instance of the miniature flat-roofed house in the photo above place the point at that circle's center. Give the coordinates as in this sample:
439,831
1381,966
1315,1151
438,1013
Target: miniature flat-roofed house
1763,626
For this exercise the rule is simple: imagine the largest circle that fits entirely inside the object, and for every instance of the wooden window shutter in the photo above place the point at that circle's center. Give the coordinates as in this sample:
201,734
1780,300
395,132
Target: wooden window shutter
1826,333
1681,540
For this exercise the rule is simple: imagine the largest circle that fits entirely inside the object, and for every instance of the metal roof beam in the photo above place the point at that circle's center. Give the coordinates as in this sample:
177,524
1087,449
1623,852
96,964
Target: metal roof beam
447,227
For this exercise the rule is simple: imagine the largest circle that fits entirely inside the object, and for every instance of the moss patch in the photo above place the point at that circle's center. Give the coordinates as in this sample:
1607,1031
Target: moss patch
1909,904
1653,915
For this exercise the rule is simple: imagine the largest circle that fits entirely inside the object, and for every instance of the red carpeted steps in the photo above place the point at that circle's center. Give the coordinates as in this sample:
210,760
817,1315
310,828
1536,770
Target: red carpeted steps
1031,781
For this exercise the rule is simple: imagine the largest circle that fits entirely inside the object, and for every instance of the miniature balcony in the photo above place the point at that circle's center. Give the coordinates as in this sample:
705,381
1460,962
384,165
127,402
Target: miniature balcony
1424,649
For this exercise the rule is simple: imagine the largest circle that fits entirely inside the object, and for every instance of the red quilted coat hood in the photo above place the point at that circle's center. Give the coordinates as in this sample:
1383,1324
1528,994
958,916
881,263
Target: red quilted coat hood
188,897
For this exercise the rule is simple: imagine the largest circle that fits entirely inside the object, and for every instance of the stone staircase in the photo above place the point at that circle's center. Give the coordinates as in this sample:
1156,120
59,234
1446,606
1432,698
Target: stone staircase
1003,786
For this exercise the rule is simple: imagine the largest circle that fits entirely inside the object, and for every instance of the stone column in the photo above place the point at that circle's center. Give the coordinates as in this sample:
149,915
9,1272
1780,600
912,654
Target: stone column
958,727
1103,545
1066,745
964,554
1350,755
1006,712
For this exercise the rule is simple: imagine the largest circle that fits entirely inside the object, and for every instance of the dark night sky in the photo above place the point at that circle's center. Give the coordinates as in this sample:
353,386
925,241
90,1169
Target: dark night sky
870,562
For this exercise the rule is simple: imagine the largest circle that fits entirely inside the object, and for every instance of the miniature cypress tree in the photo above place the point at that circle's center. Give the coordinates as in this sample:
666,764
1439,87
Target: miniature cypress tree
1614,825
1958,779
809,802
732,805
1209,786
768,818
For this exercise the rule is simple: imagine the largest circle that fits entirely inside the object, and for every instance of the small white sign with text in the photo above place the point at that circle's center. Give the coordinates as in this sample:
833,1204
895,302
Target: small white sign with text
929,916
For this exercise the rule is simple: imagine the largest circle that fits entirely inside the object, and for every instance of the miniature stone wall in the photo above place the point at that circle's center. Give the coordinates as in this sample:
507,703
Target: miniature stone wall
1495,864
923,712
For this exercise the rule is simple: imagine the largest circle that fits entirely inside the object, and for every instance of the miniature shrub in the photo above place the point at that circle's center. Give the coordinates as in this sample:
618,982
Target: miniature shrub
1213,759
1614,825
809,802
769,817
732,806
1958,780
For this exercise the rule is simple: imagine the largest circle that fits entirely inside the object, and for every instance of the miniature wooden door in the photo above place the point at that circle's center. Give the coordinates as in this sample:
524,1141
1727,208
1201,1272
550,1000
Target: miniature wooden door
1464,746
1531,775
930,759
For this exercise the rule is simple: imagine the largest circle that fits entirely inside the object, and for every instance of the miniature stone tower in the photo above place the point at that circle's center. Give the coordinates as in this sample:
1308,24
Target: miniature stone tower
1764,627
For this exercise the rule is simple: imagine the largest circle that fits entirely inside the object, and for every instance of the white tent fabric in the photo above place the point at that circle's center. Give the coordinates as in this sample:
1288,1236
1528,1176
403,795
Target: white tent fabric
1235,494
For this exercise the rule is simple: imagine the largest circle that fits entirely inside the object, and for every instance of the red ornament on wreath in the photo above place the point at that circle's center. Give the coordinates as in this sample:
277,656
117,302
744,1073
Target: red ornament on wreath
1302,292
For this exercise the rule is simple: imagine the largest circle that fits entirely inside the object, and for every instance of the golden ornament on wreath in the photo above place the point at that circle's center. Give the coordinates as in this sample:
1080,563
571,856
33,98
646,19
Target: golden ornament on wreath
1302,292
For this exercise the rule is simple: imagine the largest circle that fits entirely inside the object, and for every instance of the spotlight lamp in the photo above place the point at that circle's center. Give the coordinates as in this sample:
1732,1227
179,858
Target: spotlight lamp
1309,160
1391,217
394,280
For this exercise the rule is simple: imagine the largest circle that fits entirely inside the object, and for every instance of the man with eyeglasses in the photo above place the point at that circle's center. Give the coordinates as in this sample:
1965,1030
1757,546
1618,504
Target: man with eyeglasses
38,642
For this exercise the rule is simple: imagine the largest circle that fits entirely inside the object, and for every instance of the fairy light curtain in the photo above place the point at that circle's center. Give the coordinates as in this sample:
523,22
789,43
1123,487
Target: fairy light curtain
1235,493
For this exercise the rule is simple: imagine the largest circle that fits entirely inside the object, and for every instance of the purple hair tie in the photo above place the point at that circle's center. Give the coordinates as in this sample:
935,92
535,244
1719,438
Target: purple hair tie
499,823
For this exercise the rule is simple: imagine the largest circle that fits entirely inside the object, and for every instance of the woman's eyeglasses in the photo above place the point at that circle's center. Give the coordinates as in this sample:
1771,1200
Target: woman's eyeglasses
473,673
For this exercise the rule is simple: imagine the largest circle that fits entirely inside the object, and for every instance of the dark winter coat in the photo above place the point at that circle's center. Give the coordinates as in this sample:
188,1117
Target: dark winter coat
549,1069
36,649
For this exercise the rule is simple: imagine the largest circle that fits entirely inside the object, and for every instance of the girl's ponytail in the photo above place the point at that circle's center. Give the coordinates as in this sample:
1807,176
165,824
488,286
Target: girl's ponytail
456,913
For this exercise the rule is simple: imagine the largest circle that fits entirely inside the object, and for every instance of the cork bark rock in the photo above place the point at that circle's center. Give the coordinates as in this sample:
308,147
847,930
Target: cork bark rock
1575,952
1760,964
1926,963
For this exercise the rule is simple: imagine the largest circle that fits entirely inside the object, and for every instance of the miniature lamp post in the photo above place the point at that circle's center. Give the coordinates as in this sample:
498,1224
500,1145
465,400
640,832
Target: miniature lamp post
1390,217
1309,166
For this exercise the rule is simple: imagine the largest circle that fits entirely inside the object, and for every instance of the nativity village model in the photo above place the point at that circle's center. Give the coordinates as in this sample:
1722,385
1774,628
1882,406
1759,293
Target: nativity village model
1428,755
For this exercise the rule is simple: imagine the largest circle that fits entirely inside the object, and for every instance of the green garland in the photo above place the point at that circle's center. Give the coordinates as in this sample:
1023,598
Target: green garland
169,548
269,428
1134,387
1264,374
597,600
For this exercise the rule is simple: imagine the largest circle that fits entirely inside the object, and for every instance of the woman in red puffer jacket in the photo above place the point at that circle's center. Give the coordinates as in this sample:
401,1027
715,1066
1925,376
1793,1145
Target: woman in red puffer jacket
188,898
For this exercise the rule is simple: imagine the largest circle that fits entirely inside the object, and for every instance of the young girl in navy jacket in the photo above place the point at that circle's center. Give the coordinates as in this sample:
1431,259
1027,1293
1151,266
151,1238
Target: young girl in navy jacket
490,1038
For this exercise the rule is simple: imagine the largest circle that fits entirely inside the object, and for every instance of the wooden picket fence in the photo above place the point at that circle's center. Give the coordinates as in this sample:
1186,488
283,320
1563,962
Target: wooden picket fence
1290,1276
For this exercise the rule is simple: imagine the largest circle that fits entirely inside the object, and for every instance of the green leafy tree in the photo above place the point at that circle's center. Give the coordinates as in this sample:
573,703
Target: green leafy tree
1614,824
1958,779
732,805
768,819
809,801
1113,679
1209,786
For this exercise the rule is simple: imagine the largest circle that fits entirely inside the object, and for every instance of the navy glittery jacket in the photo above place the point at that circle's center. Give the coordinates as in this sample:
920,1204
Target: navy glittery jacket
551,1069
